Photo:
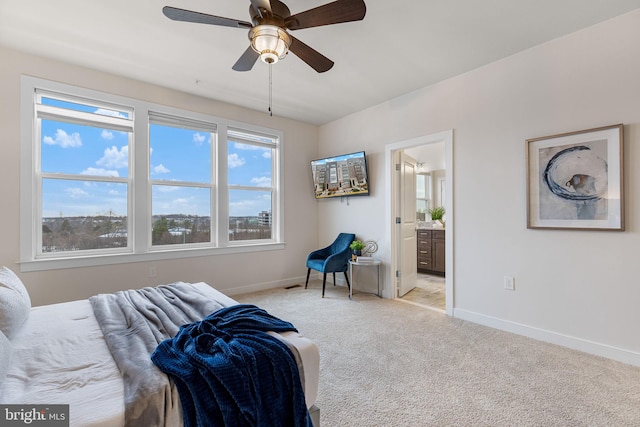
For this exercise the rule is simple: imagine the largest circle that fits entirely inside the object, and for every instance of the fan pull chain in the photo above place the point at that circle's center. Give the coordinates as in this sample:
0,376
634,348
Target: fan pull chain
270,90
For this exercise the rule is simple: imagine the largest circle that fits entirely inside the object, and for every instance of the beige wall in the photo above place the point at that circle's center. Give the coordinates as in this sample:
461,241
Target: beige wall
577,288
231,274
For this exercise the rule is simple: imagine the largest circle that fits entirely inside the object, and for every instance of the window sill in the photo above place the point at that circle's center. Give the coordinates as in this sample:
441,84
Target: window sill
112,259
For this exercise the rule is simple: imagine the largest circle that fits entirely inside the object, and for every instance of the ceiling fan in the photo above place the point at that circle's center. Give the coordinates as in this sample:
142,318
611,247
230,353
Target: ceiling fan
270,20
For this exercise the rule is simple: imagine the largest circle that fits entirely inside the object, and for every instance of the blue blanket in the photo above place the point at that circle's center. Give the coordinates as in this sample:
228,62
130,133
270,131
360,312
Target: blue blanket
230,372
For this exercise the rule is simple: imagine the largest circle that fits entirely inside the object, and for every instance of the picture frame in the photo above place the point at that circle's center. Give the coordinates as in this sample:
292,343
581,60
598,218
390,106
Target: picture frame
575,180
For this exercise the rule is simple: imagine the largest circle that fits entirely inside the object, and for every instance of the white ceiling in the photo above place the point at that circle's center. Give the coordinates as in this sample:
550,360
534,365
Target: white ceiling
400,46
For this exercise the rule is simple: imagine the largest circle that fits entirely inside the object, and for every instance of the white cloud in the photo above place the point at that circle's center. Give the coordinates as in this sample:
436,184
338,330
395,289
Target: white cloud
160,169
235,161
108,135
198,138
114,158
63,139
241,146
178,205
266,152
242,208
100,172
263,181
76,193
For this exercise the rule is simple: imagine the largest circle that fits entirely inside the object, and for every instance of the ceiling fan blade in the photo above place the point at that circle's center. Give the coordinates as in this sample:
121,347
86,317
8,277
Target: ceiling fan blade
332,13
246,61
312,57
259,5
202,18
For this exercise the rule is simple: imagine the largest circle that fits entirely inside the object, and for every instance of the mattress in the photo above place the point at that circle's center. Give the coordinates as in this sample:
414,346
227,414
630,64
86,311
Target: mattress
50,365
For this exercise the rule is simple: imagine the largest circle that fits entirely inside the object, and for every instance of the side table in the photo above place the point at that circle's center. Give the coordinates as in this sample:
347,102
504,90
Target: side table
375,263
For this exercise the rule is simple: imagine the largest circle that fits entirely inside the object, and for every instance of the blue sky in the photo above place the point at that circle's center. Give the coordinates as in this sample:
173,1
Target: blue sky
176,155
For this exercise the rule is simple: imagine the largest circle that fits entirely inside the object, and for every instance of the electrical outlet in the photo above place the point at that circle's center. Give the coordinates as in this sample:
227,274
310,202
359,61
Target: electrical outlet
509,283
153,272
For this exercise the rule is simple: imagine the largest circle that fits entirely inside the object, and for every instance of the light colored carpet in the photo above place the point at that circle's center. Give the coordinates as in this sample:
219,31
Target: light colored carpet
388,363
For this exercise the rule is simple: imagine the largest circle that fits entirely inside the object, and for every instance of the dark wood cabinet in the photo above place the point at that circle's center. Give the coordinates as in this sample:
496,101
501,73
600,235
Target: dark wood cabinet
424,250
431,250
438,251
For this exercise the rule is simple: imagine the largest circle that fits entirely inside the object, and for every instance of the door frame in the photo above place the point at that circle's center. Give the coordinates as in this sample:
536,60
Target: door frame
391,206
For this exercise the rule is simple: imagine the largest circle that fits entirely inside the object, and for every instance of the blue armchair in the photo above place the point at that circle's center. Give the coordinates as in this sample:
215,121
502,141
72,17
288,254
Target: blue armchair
332,259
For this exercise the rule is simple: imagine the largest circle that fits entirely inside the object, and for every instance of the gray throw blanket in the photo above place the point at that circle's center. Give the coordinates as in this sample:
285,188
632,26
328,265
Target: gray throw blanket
134,322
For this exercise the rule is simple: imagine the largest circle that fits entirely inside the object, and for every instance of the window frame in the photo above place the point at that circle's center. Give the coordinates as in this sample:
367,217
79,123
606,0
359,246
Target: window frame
139,194
427,190
273,188
164,119
48,112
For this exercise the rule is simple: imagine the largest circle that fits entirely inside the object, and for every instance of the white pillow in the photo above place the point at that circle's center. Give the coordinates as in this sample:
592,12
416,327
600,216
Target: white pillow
15,303
6,350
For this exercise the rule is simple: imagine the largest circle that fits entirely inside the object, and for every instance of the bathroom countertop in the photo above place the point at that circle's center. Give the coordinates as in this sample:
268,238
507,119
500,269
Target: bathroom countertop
428,225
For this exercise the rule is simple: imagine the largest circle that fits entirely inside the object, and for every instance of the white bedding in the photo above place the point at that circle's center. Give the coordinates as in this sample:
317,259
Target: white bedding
50,365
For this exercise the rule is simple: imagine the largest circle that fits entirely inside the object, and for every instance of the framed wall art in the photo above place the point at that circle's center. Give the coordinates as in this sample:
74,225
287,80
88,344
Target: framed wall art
575,180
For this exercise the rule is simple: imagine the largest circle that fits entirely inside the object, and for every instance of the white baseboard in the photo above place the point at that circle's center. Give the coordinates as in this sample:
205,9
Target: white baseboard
261,286
591,347
278,284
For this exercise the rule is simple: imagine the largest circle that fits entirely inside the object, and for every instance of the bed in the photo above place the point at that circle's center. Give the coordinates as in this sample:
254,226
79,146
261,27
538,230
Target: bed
61,354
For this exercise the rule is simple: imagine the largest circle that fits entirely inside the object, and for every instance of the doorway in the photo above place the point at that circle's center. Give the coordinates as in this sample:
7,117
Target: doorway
394,214
430,292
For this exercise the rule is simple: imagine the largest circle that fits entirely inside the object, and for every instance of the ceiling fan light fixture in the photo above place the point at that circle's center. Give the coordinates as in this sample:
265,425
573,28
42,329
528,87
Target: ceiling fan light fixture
270,41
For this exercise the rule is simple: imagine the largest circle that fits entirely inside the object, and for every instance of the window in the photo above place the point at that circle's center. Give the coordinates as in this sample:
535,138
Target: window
107,179
251,188
423,195
181,176
82,173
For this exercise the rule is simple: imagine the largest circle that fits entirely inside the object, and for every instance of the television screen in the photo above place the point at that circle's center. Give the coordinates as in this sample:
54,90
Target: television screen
338,176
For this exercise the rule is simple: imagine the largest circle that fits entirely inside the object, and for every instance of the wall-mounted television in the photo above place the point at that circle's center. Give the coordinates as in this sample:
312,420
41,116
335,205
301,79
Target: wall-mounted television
339,176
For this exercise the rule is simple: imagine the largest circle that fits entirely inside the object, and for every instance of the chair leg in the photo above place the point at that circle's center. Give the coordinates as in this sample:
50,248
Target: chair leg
307,282
334,278
324,282
346,276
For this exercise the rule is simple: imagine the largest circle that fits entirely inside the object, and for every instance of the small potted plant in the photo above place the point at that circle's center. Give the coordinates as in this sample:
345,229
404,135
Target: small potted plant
356,246
437,214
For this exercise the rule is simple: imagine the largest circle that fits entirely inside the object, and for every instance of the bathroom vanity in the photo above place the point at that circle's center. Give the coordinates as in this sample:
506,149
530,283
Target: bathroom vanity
431,250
